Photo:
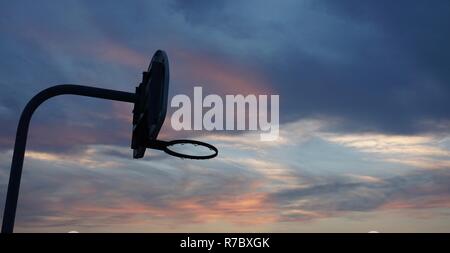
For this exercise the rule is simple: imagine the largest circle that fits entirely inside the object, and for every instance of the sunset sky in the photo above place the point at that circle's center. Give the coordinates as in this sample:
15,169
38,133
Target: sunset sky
364,92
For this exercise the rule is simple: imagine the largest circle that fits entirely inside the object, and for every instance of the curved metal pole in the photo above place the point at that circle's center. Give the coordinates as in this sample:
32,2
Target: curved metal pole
22,132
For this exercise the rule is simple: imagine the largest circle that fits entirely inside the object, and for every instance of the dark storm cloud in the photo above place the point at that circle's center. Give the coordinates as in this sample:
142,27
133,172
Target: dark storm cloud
380,66
411,60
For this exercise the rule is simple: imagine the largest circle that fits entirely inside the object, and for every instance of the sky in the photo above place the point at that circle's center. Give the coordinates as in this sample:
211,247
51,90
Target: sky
364,139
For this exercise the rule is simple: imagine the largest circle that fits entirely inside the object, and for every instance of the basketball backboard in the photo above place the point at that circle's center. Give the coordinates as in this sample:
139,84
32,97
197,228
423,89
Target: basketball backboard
150,108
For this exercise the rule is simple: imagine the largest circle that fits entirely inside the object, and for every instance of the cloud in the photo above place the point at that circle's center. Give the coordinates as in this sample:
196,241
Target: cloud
364,111
101,186
419,151
352,51
416,190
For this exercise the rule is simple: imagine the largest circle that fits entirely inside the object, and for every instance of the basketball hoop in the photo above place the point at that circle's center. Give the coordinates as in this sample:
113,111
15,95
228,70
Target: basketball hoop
169,147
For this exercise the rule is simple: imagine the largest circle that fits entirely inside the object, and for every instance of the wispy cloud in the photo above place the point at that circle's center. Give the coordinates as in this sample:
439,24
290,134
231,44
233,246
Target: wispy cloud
101,184
418,151
363,104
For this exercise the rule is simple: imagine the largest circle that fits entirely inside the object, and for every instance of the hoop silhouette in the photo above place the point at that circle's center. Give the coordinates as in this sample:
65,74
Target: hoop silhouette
165,146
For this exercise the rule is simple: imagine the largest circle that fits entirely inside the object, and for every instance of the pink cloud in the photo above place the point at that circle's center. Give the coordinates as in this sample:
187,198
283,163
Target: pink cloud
218,74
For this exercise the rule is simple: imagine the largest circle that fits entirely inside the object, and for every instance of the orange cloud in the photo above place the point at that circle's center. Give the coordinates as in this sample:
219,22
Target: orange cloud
245,209
248,208
437,202
217,74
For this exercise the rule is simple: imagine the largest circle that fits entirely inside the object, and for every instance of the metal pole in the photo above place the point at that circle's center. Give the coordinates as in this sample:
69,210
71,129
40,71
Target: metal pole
22,132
